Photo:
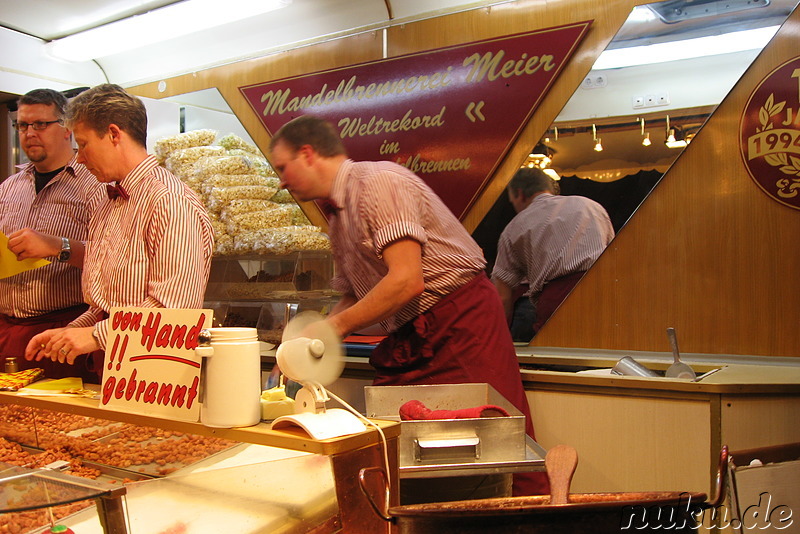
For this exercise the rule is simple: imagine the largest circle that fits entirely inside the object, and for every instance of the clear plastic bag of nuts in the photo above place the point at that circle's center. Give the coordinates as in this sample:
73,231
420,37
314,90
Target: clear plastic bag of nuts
255,220
181,162
245,205
219,197
207,167
279,241
234,180
165,146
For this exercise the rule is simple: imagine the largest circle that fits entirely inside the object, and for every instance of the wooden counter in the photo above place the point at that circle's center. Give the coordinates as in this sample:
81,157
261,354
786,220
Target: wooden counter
645,434
657,434
733,377
261,434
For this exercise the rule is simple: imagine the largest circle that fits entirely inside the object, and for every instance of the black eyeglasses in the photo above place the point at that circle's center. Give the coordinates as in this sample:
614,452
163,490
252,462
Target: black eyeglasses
22,127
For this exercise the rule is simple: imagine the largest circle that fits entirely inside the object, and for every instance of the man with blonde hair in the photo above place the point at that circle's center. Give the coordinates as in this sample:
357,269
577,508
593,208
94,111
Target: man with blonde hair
150,242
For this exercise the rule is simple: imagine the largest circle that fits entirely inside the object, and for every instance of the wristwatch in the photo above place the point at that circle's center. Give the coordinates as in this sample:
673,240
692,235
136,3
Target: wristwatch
66,252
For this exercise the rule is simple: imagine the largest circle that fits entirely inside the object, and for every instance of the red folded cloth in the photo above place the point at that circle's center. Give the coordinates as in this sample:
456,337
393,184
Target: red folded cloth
415,410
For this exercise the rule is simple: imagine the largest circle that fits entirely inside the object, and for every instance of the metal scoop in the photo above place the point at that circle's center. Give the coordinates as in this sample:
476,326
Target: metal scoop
677,369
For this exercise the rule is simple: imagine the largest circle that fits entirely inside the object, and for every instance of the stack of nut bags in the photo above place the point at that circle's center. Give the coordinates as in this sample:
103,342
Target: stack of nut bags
241,191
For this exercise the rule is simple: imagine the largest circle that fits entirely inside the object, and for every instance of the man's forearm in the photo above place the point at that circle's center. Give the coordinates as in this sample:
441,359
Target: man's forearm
506,297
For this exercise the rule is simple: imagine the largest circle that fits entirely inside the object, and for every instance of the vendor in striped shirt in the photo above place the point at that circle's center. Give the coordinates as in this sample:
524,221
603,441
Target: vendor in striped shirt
150,241
551,242
44,212
405,261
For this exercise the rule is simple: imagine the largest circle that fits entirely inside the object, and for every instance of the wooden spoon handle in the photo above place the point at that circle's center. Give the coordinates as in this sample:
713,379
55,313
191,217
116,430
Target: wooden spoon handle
561,462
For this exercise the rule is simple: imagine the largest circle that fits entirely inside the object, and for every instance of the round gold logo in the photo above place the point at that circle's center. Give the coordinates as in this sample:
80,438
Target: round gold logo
770,134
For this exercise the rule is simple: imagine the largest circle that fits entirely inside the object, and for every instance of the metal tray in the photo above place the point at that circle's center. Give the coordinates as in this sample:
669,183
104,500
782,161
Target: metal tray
456,447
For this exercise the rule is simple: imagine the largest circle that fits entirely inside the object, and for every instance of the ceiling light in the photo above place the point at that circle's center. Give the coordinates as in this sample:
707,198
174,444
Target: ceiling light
686,49
673,142
671,136
646,140
541,156
552,174
168,22
598,146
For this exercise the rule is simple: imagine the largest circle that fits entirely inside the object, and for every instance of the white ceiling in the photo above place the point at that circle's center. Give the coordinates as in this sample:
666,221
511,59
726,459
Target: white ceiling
31,23
26,26
66,18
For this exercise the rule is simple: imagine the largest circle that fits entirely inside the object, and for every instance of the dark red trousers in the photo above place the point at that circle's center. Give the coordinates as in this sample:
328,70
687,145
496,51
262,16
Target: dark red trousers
15,334
463,339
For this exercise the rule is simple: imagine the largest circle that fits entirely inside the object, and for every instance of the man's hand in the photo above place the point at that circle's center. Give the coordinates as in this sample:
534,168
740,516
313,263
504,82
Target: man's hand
403,282
28,243
62,344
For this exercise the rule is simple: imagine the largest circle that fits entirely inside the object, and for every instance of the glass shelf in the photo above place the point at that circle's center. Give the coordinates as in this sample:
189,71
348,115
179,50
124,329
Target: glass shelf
29,489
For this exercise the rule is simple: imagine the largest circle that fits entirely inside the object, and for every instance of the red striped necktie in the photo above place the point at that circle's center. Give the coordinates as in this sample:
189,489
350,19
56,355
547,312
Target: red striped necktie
115,191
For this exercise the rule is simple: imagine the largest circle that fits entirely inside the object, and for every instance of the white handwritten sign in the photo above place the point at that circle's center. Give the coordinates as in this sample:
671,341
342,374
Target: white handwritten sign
150,365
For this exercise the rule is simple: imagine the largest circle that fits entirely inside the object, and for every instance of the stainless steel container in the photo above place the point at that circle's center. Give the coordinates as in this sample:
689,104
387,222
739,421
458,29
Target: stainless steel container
629,367
456,447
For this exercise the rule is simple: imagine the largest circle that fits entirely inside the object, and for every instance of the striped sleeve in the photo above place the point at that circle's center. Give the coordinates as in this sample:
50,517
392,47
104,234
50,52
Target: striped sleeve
507,268
393,208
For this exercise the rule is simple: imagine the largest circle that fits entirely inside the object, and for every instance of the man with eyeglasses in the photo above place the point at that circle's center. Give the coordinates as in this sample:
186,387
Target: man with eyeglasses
44,212
150,240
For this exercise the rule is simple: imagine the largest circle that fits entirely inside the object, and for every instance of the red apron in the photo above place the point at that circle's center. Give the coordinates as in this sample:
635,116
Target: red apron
553,293
15,334
464,338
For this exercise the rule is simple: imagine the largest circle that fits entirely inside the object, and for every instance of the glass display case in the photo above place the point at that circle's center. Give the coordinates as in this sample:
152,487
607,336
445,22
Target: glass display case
264,292
246,479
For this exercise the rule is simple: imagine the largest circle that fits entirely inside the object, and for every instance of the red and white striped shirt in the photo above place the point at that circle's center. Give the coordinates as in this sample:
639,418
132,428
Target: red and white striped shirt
62,208
152,250
553,236
381,202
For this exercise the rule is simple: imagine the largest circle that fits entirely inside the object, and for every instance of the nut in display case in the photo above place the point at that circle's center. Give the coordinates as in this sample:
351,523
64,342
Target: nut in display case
210,485
270,277
111,453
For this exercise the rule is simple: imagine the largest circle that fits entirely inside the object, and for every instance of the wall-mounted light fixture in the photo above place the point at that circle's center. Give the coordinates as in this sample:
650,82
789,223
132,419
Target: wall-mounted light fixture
541,156
598,145
646,139
676,140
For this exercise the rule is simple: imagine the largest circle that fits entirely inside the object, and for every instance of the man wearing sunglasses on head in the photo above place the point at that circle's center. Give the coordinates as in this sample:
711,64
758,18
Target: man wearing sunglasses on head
44,212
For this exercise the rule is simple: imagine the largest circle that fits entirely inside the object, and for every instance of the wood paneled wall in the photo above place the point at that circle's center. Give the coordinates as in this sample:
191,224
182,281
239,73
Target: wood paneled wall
707,253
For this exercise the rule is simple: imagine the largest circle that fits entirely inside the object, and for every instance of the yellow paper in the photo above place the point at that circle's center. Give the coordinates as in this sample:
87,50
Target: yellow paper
70,387
9,265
